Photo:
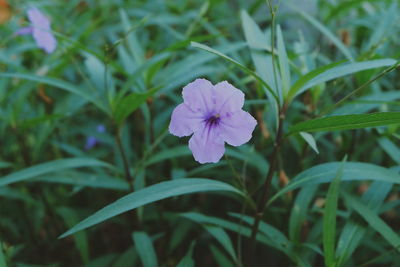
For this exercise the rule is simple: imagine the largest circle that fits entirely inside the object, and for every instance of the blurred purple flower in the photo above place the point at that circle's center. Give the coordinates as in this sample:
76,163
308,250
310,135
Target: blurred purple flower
91,141
214,115
100,128
40,30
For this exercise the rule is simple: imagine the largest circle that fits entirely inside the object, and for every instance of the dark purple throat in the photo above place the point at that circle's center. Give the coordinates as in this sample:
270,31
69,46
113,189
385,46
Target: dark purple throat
212,120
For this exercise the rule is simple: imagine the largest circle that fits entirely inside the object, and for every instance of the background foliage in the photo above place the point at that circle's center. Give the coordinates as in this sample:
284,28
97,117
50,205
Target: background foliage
334,199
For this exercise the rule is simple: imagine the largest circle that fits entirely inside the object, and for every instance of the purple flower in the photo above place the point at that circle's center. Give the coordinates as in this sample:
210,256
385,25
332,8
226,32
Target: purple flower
214,115
40,30
91,141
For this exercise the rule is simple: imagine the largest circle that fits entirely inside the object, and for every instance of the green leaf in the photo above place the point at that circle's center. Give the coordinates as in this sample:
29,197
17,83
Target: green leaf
2,258
84,179
51,166
220,257
187,260
130,103
325,31
390,148
268,230
283,63
152,194
386,22
299,211
303,80
8,192
81,241
352,171
246,154
244,68
346,122
310,141
133,44
103,261
334,71
255,38
273,238
101,78
145,249
126,259
353,231
4,165
374,221
61,85
329,220
222,237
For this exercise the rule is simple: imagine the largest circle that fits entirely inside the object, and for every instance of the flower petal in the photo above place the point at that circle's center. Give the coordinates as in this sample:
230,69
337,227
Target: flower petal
199,96
230,99
206,145
45,40
237,128
24,31
38,19
184,121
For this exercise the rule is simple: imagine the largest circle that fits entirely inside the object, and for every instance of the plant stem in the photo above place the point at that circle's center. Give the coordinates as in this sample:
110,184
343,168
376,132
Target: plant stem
273,160
128,176
273,49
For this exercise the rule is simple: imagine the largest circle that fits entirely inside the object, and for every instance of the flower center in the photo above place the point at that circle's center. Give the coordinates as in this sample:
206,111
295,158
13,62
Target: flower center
213,120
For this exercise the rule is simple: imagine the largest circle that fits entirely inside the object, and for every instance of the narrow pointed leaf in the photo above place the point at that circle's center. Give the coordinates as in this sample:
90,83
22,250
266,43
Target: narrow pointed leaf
283,62
329,220
346,122
334,71
49,167
61,85
374,221
310,141
352,171
187,260
145,249
2,258
303,80
325,31
353,231
130,103
152,194
222,237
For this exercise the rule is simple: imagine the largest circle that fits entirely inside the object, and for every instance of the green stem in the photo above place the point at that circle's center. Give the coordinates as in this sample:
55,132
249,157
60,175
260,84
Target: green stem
262,203
128,176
